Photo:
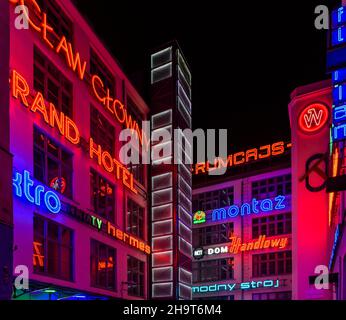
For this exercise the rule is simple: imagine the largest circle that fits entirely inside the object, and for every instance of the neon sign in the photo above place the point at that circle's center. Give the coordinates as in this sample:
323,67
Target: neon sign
255,207
21,90
339,78
313,118
105,227
262,242
23,185
243,157
62,47
68,129
236,286
199,217
111,165
236,246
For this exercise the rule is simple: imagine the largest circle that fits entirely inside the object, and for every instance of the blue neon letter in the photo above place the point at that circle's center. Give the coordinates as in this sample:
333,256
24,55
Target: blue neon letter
28,183
56,207
17,184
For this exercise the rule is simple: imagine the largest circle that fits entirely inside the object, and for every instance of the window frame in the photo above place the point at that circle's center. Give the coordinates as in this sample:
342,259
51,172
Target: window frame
46,239
95,257
138,289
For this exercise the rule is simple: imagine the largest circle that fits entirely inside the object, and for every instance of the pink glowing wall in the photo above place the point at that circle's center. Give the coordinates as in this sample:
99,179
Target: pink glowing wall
310,209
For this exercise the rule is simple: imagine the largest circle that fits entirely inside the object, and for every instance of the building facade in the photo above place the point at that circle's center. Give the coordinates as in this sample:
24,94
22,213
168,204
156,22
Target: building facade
80,216
242,236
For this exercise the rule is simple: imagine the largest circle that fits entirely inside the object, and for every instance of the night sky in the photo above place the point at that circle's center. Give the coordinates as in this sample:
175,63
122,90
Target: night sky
246,58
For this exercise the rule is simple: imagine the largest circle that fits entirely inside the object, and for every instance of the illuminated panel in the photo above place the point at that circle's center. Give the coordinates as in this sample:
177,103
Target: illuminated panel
162,212
162,290
161,73
338,17
185,247
162,119
162,57
162,259
162,243
185,232
339,78
185,291
184,216
185,276
162,197
185,202
162,274
162,181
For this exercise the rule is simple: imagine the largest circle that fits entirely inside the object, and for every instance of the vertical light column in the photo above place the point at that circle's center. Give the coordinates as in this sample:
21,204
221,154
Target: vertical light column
171,182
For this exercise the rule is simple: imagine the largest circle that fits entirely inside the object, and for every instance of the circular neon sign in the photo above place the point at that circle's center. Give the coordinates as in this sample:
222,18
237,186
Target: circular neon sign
313,118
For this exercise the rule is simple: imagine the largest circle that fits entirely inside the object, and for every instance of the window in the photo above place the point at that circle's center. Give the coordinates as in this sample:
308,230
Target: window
135,277
272,296
102,196
52,164
56,18
54,86
213,234
102,266
213,270
269,264
273,225
52,249
97,67
213,199
215,298
135,219
272,187
137,171
101,130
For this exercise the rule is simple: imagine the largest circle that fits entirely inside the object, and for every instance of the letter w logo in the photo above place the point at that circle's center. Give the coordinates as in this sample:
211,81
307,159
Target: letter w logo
313,118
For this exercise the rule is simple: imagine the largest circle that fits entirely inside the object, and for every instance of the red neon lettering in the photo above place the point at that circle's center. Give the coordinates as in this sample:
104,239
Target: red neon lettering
76,62
70,127
20,88
55,118
266,148
45,28
251,154
97,151
121,108
262,242
107,162
200,167
63,45
95,79
38,105
241,161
